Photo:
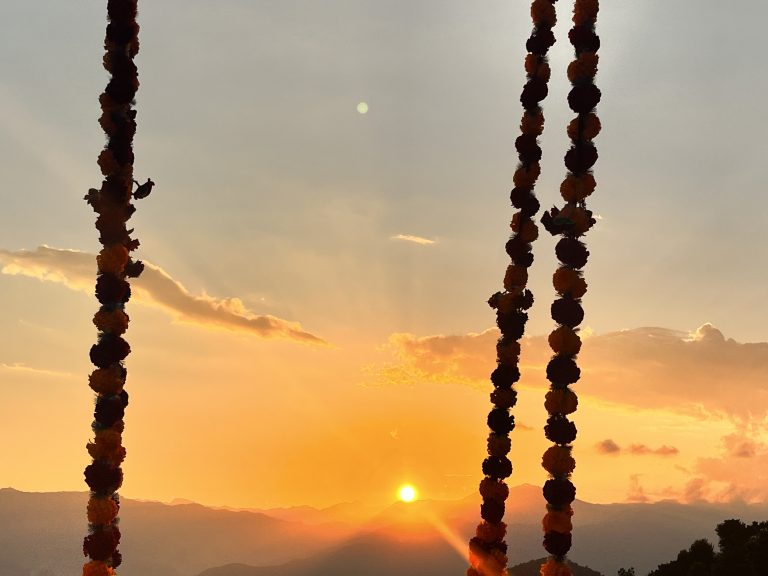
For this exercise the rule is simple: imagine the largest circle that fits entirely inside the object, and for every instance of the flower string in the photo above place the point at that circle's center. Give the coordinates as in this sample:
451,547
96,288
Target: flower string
112,203
488,549
571,222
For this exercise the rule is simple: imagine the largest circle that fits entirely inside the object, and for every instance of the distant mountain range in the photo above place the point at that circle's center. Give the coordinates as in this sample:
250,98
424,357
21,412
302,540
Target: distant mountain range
41,535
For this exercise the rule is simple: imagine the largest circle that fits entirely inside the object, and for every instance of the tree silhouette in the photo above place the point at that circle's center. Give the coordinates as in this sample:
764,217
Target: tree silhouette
742,551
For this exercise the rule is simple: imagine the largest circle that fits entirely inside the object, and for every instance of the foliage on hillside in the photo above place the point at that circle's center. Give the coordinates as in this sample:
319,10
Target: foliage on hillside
742,551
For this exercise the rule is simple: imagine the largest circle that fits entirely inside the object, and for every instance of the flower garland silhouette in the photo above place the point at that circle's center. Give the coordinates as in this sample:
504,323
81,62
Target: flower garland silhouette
571,223
488,549
112,203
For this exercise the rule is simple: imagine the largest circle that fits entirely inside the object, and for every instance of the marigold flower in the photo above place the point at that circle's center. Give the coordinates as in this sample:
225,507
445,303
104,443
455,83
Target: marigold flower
516,276
106,381
568,281
101,510
532,123
96,568
561,401
557,460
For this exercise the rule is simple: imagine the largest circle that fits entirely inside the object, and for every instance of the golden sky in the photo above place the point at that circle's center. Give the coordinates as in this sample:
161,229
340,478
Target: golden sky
313,328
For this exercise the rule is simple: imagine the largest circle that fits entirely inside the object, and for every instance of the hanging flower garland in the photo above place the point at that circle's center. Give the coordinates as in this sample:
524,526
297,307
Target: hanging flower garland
488,549
571,223
112,203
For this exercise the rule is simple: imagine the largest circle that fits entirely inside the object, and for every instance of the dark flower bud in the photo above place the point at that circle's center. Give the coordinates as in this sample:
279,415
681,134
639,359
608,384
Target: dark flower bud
505,375
559,492
501,421
492,511
584,39
557,543
560,430
497,467
584,98
572,252
581,157
567,312
563,370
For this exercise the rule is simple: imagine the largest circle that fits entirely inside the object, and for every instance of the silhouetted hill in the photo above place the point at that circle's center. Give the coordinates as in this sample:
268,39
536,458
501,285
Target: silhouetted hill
532,569
366,555
44,531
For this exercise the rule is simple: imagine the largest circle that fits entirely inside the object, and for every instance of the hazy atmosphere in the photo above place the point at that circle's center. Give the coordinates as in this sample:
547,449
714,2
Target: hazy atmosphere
329,219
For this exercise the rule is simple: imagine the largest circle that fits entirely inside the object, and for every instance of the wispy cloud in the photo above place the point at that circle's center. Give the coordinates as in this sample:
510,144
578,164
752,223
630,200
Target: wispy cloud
31,370
76,270
414,239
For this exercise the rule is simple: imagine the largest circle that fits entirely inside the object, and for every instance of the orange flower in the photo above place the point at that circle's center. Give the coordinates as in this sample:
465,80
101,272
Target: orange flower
96,568
577,188
585,11
106,381
565,341
557,460
107,445
590,129
101,510
569,281
555,568
526,177
488,532
112,259
584,67
577,216
516,277
532,124
561,401
543,12
114,321
557,521
529,231
491,489
536,68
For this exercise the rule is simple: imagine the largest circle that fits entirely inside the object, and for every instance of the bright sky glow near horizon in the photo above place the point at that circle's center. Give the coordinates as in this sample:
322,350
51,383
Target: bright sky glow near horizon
314,326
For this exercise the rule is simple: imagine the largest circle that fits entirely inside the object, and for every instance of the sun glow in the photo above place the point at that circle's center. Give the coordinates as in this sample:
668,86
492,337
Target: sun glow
407,493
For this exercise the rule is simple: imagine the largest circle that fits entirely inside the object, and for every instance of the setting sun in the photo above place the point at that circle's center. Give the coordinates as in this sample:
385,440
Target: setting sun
407,493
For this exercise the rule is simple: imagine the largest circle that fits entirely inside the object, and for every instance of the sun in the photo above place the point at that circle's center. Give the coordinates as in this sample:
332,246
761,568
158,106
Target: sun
362,107
407,493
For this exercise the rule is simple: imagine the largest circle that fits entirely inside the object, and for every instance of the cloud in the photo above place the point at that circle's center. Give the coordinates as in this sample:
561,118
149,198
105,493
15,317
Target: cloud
443,359
739,472
414,239
77,271
701,373
643,450
608,446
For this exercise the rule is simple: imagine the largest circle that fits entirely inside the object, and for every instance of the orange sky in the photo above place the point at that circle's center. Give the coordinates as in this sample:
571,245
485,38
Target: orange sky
313,328
221,415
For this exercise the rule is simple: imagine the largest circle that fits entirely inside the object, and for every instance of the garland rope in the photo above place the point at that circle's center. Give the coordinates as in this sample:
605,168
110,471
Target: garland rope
112,203
488,549
571,222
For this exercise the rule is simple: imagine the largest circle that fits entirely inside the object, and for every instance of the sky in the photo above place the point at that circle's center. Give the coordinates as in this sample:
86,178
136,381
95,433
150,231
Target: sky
313,326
